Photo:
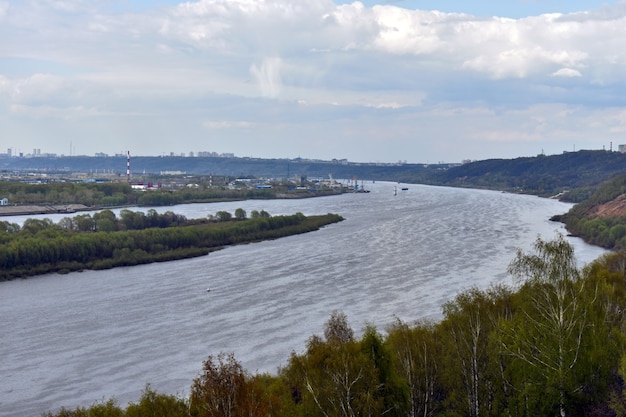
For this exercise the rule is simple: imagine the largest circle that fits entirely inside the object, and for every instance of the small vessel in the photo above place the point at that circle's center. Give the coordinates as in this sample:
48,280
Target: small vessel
405,188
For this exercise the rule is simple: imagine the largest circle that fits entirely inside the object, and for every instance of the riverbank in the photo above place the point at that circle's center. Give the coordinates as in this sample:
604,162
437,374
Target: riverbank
24,210
52,208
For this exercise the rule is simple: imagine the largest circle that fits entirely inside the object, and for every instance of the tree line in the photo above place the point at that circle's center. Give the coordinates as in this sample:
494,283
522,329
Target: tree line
552,345
105,241
111,194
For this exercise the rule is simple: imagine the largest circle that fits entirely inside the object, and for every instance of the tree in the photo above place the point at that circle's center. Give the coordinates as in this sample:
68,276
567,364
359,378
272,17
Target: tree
555,335
33,226
224,390
103,409
335,376
470,320
154,404
223,216
240,214
391,392
132,220
84,223
67,223
415,358
337,330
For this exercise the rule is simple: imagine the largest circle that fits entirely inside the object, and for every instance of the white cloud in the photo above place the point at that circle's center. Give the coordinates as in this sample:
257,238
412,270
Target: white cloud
497,47
268,76
227,124
338,70
567,72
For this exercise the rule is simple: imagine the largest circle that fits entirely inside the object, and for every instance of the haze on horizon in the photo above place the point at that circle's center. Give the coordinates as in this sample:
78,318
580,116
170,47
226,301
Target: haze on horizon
377,81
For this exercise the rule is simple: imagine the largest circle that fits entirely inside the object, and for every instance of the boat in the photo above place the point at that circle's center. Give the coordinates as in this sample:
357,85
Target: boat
404,188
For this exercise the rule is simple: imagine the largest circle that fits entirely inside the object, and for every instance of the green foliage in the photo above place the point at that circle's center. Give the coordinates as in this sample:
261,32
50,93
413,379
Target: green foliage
415,356
103,409
41,246
153,404
567,341
337,376
223,216
240,214
578,173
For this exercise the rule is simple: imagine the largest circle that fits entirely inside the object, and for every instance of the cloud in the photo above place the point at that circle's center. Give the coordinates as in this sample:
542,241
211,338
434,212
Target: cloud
227,124
567,72
496,47
267,76
404,75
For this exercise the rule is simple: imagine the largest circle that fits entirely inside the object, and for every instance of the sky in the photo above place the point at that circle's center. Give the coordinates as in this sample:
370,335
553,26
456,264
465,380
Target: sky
418,81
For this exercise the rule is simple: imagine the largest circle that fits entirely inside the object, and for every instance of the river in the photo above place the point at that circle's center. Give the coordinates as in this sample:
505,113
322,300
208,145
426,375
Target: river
68,340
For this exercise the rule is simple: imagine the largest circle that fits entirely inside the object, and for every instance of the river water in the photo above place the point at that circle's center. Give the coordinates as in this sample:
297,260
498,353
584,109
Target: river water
68,340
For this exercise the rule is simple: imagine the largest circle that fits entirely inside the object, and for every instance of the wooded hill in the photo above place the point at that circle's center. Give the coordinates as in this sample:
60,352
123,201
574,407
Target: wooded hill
579,173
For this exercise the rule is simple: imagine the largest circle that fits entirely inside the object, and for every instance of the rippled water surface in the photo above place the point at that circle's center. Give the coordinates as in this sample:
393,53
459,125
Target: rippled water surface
68,340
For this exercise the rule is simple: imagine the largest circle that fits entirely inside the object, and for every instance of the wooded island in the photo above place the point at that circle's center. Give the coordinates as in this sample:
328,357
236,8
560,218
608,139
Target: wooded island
105,241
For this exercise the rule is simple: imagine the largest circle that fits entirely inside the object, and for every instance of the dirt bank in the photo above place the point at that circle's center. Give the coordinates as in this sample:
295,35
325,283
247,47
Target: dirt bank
19,210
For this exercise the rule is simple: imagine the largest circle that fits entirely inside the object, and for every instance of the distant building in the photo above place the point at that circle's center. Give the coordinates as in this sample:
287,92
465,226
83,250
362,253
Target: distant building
621,148
173,172
4,201
206,154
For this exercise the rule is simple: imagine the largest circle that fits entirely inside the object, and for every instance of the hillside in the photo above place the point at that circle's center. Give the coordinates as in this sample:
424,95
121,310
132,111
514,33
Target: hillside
611,209
601,219
577,172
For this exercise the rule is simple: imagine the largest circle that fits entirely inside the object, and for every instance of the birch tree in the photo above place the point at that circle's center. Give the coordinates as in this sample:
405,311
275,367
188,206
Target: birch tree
334,376
470,320
549,336
415,358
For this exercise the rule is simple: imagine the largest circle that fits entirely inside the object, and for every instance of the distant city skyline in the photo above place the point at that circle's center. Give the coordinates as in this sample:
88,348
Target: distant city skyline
373,81
200,154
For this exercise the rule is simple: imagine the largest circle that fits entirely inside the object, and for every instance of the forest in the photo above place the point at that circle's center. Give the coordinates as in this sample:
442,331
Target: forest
551,345
104,241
